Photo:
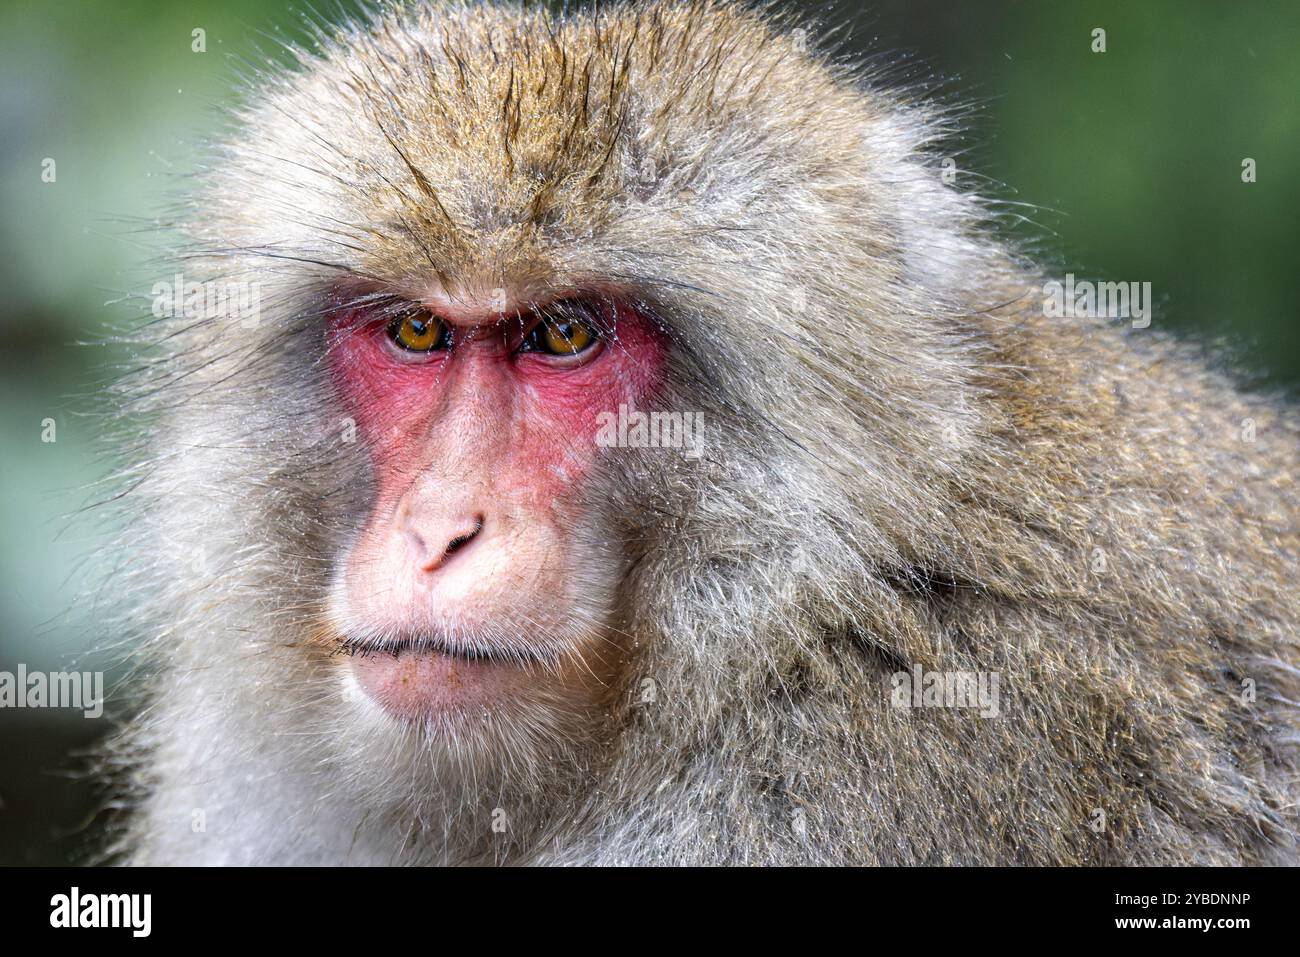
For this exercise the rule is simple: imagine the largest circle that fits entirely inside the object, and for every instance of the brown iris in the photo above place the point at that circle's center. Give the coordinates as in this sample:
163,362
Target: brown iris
562,331
419,331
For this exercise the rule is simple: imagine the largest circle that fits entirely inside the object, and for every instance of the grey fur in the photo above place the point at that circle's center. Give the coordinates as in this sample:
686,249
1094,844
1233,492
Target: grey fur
905,465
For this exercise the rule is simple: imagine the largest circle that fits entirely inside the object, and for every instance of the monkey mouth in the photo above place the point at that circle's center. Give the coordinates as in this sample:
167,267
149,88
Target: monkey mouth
415,646
456,649
433,677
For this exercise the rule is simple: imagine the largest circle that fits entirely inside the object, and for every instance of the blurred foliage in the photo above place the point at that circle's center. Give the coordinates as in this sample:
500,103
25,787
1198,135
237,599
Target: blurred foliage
1129,162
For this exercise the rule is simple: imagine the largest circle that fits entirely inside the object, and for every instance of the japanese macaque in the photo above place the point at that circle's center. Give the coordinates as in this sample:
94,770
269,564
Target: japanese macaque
427,574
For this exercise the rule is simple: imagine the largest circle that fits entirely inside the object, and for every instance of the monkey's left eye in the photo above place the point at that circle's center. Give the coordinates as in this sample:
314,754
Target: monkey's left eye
562,333
419,331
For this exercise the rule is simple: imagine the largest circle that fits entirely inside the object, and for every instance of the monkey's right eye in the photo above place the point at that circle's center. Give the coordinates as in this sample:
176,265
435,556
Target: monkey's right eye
419,331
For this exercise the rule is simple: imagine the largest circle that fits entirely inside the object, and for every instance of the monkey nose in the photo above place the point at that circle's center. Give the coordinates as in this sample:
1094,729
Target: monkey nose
437,550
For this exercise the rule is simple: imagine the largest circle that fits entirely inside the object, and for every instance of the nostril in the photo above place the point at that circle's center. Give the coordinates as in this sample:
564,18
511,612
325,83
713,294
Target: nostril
460,541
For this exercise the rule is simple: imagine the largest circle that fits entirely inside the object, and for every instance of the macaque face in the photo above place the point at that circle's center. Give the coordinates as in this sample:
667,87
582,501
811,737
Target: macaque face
481,581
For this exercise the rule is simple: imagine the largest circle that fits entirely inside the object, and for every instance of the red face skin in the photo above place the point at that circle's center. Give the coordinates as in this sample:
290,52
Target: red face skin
486,449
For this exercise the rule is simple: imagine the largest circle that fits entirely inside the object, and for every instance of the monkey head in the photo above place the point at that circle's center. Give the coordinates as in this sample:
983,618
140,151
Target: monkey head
483,232
480,233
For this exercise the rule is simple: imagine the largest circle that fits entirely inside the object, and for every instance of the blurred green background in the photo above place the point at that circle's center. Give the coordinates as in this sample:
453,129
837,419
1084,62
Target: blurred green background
1132,158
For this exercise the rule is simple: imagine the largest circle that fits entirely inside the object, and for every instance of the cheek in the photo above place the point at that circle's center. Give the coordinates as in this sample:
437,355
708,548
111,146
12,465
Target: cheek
385,396
563,409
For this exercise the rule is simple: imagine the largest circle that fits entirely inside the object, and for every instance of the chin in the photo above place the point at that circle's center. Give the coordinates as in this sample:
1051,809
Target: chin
433,732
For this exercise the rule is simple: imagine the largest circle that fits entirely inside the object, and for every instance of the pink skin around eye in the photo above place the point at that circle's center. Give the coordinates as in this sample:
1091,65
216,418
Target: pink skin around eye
550,410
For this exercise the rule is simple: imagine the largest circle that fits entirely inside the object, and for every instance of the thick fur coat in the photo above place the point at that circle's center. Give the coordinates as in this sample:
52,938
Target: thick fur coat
906,464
